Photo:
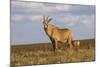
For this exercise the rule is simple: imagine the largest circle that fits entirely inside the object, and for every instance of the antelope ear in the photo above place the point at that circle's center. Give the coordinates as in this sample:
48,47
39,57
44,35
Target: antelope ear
49,20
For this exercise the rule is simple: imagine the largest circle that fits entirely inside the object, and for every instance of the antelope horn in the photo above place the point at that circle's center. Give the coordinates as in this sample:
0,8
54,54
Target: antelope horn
47,18
43,17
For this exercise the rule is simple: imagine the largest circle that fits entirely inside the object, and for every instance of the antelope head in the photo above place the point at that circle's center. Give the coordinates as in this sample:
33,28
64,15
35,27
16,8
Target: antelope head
46,21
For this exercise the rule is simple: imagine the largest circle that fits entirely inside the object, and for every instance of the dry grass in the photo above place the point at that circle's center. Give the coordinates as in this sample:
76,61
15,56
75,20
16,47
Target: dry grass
43,54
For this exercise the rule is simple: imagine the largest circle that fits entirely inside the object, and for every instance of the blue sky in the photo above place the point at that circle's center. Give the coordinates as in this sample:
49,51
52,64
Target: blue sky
27,17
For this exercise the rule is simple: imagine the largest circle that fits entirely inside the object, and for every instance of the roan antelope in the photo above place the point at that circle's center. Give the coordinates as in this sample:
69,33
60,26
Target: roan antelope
76,43
56,34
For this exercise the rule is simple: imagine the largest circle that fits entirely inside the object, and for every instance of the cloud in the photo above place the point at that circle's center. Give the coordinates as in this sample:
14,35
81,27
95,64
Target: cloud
33,8
69,14
33,11
22,4
22,18
73,19
17,18
22,7
36,18
82,9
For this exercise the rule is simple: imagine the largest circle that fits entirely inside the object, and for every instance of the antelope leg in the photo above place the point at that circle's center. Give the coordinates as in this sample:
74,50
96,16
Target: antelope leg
56,45
70,42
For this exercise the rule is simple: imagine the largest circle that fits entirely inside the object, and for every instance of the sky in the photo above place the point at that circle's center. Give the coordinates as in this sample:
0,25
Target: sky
27,21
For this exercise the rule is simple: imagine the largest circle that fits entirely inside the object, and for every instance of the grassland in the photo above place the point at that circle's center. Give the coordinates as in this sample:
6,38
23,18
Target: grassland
36,54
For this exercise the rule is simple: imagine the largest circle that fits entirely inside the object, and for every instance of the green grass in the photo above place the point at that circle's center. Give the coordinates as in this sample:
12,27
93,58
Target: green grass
35,54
